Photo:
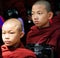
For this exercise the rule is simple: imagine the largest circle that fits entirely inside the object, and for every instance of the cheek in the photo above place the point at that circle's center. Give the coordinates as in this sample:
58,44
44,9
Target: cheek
15,37
43,17
32,17
3,38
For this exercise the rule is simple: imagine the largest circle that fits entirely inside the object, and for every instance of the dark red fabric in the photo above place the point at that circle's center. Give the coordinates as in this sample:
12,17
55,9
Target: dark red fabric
50,35
56,19
16,53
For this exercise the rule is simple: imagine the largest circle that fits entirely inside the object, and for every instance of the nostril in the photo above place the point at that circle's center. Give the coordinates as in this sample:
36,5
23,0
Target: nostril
6,38
35,19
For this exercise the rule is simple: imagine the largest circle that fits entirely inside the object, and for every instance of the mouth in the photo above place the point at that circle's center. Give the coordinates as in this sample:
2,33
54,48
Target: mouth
7,42
36,22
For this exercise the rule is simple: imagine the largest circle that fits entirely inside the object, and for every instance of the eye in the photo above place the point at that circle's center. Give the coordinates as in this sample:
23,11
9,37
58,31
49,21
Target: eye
11,32
40,13
3,32
31,13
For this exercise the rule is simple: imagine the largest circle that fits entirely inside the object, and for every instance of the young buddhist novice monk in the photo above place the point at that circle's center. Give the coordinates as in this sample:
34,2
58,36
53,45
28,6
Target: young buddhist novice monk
11,35
44,32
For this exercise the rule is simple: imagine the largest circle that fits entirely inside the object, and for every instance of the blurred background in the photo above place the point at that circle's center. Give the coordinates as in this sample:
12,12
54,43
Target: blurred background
23,8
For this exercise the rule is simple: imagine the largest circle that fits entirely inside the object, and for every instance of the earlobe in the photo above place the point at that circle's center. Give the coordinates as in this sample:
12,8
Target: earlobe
50,15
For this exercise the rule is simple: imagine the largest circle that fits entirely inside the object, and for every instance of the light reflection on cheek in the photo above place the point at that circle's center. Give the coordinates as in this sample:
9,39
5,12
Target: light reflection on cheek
3,36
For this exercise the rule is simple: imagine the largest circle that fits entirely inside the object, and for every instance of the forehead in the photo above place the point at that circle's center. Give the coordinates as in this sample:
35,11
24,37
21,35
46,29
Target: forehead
11,24
9,27
38,6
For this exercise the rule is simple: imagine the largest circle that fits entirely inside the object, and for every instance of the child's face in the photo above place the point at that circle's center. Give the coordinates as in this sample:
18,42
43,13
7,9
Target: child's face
40,16
10,34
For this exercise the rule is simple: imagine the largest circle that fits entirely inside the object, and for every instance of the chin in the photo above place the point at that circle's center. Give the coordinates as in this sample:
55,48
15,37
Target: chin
8,44
37,25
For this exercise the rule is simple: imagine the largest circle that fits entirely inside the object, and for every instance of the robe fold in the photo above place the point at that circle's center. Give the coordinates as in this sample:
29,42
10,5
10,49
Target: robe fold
9,52
48,35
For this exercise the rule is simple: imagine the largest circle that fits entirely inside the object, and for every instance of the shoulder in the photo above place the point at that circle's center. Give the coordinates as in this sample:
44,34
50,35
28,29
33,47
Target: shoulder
33,29
24,50
24,53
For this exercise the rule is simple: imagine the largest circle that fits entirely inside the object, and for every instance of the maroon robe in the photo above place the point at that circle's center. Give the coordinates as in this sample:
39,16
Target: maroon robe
48,35
9,52
56,19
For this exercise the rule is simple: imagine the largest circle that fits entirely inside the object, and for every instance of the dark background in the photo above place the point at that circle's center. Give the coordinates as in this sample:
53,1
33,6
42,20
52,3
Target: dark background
23,6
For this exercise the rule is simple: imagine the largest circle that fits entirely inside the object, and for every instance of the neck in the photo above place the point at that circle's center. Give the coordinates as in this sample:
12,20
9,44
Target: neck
46,25
14,46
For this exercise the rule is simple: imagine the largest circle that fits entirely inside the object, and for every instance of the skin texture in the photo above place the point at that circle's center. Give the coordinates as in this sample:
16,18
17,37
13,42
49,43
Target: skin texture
11,32
40,15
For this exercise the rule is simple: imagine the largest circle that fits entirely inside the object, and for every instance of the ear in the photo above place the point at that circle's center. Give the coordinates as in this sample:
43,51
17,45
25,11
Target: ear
50,15
21,34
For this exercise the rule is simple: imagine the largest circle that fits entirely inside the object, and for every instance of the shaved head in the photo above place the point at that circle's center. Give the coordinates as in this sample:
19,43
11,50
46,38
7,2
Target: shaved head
43,2
13,22
12,32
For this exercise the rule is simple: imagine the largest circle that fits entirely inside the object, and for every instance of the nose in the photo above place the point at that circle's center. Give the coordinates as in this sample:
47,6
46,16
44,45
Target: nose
6,36
35,17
